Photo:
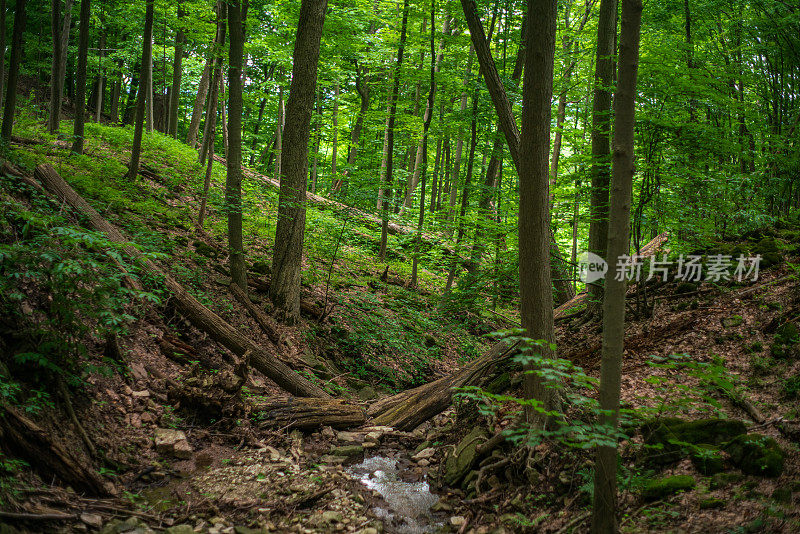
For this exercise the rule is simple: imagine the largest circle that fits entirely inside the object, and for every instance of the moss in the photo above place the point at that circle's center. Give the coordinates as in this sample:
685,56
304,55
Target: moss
499,384
712,503
782,494
707,459
755,454
664,487
460,461
787,334
769,259
721,480
732,322
766,245
685,287
673,434
756,347
783,352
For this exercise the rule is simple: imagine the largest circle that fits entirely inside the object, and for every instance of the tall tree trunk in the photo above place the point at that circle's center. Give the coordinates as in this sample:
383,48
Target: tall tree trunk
233,182
419,161
605,485
3,50
175,91
147,53
200,100
129,112
254,142
535,286
425,129
388,184
459,148
98,103
601,132
317,140
116,92
335,126
289,233
64,43
384,151
363,89
13,71
216,82
148,87
279,134
223,117
80,92
54,118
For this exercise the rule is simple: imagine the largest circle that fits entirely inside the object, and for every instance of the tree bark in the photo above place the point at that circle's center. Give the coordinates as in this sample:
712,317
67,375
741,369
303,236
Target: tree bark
200,316
147,53
80,91
3,49
98,103
384,151
605,485
306,413
54,118
216,81
200,100
459,148
254,142
535,286
388,183
233,181
279,134
601,135
289,233
175,90
13,71
335,143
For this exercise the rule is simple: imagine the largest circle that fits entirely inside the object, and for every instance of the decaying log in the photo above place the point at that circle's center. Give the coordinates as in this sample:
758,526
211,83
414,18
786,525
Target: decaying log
305,413
265,322
24,438
409,409
199,315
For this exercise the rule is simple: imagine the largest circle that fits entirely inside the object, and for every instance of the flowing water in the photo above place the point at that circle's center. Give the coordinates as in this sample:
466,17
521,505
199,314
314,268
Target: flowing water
408,504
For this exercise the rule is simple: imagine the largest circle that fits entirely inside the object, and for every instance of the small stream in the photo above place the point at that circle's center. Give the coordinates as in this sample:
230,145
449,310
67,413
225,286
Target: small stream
408,504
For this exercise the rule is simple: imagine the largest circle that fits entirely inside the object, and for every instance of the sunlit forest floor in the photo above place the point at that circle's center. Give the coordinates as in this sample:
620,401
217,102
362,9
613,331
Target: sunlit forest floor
698,352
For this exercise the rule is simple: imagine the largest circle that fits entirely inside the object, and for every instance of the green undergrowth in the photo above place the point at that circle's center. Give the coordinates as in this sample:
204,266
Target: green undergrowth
379,333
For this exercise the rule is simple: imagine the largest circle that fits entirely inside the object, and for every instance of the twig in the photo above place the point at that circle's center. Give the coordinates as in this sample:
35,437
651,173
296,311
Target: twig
71,412
574,522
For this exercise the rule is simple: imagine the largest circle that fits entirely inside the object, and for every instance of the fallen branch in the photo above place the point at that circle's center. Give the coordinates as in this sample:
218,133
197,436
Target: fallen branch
37,517
199,315
298,412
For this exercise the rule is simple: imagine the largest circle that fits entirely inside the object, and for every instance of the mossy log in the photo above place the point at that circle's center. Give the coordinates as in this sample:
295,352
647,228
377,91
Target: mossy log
199,315
305,413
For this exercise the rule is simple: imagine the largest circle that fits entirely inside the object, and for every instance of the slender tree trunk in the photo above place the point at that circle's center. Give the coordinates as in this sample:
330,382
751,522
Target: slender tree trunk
201,216
535,286
425,129
605,486
62,68
279,134
388,184
289,233
253,143
233,182
601,132
150,120
384,151
459,148
80,92
175,91
129,112
223,117
3,50
363,89
98,104
216,82
13,71
335,126
200,100
115,93
147,52
54,118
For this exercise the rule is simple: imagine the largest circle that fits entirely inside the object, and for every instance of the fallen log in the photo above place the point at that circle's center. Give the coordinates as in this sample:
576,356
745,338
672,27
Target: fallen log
199,315
305,413
409,409
265,322
22,437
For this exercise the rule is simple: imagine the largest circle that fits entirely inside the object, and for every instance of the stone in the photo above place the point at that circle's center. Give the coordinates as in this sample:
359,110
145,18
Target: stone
328,432
367,393
138,372
721,480
664,487
347,450
457,520
756,454
374,436
261,267
93,520
672,435
173,442
460,460
180,529
424,454
330,516
331,459
423,463
247,530
350,437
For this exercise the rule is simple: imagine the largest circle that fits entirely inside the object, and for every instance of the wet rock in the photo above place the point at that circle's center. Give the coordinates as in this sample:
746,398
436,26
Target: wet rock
721,480
664,487
132,525
757,455
460,461
172,442
350,437
457,520
347,450
424,454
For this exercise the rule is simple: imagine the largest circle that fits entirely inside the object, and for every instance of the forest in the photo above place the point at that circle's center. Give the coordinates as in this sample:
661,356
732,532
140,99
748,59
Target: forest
399,266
